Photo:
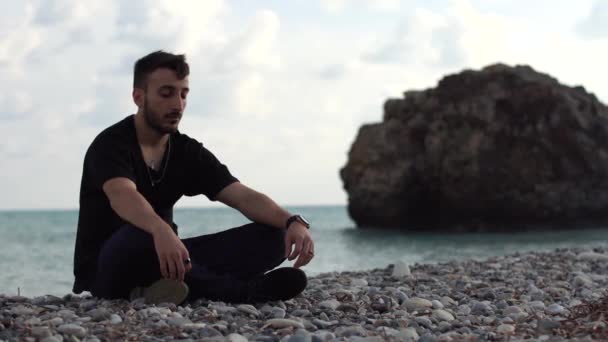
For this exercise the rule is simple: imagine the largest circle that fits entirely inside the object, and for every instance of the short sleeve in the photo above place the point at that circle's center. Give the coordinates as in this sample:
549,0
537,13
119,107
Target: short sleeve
109,158
206,174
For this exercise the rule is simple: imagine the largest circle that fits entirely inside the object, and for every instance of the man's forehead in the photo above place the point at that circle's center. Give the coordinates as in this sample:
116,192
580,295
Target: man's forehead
166,76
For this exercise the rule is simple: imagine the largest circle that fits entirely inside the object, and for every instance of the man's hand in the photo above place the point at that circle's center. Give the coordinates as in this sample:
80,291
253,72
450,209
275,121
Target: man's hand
304,249
172,254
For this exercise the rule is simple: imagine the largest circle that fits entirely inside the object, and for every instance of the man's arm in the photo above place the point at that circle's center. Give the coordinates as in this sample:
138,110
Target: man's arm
132,207
262,209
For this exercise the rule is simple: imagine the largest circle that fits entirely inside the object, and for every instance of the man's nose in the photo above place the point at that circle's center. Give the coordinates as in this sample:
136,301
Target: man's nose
180,103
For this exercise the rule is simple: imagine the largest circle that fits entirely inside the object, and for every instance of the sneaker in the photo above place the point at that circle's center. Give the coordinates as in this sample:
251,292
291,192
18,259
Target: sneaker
162,291
280,284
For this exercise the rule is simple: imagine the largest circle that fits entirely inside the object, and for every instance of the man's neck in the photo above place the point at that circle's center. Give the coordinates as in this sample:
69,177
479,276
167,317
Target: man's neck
146,135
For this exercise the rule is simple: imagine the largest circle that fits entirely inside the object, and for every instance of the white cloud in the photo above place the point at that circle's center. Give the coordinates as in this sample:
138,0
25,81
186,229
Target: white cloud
424,37
595,25
279,100
173,25
334,6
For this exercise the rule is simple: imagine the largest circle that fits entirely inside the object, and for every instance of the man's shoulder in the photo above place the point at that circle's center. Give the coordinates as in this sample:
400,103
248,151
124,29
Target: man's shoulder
121,130
119,134
184,140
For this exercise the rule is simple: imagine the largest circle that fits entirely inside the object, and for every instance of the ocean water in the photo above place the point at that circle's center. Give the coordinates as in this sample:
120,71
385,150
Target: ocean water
36,247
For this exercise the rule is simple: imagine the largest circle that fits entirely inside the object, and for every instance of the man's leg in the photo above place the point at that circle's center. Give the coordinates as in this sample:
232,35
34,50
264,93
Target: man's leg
242,252
224,263
127,260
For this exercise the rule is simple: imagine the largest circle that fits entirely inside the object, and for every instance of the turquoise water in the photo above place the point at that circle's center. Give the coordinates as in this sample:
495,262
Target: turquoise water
36,247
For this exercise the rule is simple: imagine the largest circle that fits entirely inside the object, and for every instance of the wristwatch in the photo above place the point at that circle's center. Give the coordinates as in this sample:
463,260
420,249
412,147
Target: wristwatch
298,218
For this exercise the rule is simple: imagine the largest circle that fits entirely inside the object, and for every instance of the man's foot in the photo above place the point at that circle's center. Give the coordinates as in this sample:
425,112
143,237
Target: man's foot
280,284
162,291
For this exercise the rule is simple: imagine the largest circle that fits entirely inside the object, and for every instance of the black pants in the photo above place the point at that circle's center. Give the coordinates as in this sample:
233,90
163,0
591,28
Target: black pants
221,262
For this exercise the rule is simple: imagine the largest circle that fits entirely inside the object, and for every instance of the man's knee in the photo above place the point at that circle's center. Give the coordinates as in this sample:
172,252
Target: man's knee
128,243
271,239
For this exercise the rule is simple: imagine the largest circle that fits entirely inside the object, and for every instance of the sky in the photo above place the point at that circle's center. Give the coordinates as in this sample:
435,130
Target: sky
279,88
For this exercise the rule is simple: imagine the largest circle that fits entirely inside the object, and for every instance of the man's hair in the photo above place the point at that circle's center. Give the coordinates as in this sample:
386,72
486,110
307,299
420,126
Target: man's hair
156,60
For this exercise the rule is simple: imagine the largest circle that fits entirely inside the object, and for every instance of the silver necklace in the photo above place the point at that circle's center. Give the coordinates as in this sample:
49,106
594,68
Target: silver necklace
165,165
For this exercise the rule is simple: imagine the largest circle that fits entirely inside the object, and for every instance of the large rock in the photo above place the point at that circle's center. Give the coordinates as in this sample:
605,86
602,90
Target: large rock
501,147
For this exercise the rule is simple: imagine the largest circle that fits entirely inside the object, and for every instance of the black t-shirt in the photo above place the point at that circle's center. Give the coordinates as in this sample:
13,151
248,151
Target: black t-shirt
188,169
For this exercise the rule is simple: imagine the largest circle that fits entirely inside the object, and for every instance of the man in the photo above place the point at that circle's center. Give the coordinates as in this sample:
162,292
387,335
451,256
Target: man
135,171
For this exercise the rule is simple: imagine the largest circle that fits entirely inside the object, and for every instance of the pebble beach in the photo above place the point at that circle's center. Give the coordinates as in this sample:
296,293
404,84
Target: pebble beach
549,296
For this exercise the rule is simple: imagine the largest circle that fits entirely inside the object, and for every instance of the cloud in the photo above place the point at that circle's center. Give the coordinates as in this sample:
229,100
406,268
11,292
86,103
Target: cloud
276,98
425,37
174,25
335,6
595,25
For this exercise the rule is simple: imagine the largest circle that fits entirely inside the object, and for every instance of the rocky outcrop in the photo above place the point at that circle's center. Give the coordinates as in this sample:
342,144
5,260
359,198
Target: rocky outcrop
503,146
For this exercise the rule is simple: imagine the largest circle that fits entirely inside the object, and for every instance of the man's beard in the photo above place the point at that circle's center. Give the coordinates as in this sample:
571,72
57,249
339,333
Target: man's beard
154,121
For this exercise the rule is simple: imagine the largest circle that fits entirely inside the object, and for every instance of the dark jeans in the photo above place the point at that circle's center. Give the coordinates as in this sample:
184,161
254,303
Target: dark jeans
221,262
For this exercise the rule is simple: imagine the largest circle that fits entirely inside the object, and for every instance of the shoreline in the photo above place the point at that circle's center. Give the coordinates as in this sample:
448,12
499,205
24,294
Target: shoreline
544,296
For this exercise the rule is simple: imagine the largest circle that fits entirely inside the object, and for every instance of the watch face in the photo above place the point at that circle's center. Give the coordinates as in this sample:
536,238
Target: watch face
305,221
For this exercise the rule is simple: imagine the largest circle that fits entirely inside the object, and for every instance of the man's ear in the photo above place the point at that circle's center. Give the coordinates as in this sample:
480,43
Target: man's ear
138,97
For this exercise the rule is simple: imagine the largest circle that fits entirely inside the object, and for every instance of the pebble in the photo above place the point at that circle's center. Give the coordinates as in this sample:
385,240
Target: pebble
555,309
330,304
115,319
593,256
22,310
442,315
424,321
283,323
41,332
516,297
505,329
358,282
546,325
417,304
248,309
408,334
51,339
72,329
437,304
481,308
401,269
278,312
236,338
178,321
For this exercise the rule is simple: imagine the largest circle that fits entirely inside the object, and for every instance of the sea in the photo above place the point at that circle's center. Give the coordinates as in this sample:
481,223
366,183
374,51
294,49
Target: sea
36,247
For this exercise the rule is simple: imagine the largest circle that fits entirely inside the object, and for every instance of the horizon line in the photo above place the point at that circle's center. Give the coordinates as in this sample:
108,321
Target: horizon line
175,208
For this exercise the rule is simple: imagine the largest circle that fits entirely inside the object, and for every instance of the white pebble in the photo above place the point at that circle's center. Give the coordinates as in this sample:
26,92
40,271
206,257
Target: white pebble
437,304
358,282
505,329
401,270
331,304
115,319
555,309
592,256
442,315
55,321
279,323
248,309
193,326
236,338
21,310
417,304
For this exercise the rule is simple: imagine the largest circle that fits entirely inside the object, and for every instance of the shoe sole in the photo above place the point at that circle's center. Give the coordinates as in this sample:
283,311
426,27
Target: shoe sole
166,291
